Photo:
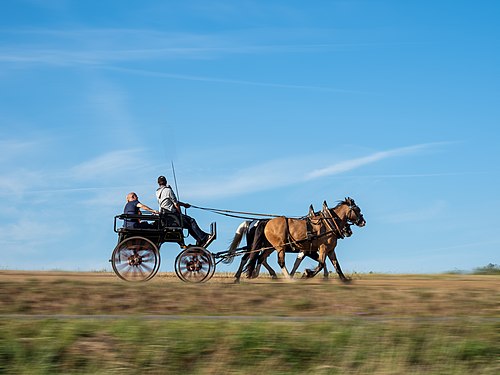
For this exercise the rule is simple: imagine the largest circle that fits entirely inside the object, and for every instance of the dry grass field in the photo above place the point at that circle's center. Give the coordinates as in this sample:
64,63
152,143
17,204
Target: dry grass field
438,296
94,323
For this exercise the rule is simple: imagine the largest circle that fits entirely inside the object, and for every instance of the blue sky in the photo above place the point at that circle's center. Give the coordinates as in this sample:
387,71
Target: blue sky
263,106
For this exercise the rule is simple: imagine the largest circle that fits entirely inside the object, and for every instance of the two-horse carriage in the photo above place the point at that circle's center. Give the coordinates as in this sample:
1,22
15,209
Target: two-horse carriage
137,254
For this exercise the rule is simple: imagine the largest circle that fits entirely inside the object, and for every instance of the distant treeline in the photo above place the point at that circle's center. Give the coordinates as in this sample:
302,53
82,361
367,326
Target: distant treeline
490,269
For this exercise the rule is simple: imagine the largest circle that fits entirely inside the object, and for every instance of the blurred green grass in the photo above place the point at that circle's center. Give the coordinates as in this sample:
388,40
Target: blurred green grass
196,346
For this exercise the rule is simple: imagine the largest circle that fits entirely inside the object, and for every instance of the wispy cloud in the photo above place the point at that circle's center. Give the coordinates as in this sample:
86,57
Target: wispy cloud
12,148
99,46
229,81
102,46
28,235
265,176
105,48
423,175
14,184
108,165
15,177
102,173
294,170
348,165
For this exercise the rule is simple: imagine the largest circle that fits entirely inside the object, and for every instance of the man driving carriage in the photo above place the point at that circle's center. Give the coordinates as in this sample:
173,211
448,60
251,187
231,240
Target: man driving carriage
170,205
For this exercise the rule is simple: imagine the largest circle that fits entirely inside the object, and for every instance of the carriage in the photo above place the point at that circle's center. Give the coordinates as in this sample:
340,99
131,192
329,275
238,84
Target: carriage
136,257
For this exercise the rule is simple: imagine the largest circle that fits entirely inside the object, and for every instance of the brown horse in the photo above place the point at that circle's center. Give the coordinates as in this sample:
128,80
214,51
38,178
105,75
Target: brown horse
256,259
318,233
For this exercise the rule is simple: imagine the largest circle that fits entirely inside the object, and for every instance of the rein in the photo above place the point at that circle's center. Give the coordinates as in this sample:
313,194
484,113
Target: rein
232,213
258,216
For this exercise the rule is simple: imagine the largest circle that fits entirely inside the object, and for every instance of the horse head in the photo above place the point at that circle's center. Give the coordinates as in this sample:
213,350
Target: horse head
354,216
347,231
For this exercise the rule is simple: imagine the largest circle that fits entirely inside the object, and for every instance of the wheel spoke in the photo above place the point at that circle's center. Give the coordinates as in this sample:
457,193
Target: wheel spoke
140,270
185,274
148,258
122,265
124,254
194,266
128,270
146,267
135,259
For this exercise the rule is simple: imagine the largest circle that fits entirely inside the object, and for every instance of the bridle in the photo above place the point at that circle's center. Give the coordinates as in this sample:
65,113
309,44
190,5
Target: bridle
359,217
331,221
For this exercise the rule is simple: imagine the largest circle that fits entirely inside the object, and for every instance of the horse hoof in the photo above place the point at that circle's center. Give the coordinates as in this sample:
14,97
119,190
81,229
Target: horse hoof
308,274
346,281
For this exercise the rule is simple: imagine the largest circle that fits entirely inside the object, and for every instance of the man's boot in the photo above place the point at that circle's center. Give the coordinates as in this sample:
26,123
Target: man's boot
200,236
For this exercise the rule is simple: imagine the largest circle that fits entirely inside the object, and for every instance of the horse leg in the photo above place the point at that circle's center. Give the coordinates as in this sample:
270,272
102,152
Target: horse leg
256,271
326,274
269,269
321,263
237,275
251,264
281,262
263,262
300,258
256,243
315,256
336,264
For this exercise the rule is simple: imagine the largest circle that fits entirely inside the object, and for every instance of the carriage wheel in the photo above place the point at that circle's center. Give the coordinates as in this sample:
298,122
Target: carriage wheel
136,259
195,265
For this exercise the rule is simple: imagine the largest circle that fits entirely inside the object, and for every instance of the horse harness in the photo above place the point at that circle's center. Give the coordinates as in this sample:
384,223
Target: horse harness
328,225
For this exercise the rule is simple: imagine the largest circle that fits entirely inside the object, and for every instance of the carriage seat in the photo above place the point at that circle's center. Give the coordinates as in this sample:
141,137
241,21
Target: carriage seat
170,220
164,222
164,228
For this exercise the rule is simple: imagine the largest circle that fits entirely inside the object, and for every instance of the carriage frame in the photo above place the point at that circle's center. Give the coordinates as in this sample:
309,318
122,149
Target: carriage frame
136,256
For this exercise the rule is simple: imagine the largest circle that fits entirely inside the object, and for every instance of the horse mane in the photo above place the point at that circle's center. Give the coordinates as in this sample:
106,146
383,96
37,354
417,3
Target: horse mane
347,201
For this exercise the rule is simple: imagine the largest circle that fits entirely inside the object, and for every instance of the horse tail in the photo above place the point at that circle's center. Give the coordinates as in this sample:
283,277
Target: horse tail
238,236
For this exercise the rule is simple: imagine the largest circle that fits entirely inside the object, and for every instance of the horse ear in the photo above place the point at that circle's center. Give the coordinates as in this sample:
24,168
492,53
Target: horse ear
325,205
